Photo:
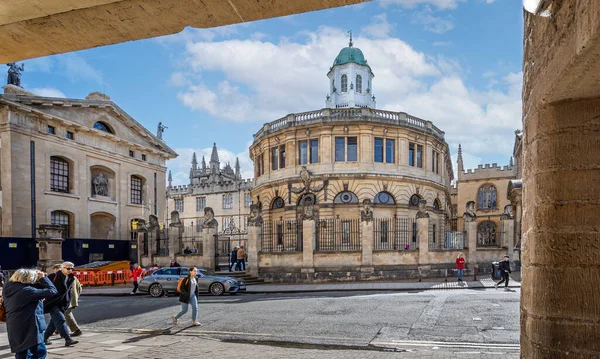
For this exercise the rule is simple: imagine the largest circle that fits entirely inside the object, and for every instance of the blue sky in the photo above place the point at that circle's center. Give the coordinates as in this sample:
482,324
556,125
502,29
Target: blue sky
454,62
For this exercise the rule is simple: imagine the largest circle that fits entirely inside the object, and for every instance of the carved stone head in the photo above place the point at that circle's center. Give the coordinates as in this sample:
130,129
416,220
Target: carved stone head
175,217
209,214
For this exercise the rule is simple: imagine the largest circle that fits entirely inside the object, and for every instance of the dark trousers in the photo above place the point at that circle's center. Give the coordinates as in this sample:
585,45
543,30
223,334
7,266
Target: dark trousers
57,321
233,264
135,286
505,278
35,352
241,265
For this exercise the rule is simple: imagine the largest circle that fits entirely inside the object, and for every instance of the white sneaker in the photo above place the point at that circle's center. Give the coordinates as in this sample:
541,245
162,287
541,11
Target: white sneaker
506,289
196,323
132,293
496,285
174,320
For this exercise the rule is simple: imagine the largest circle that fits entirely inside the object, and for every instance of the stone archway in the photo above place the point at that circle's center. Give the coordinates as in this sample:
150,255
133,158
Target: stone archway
102,226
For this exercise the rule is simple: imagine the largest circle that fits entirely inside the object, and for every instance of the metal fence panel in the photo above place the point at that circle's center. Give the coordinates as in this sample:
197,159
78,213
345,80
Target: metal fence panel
281,236
446,234
191,241
338,234
398,233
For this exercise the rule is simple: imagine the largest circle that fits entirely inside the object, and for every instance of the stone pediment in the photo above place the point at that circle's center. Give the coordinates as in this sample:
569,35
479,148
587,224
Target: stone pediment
81,115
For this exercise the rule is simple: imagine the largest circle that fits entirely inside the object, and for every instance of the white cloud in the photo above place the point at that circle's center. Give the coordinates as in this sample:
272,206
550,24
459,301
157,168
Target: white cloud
180,167
48,92
470,161
379,27
264,81
40,64
440,4
77,69
178,79
432,23
442,43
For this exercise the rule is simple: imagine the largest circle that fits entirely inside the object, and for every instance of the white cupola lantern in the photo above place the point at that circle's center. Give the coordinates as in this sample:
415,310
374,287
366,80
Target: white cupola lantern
350,80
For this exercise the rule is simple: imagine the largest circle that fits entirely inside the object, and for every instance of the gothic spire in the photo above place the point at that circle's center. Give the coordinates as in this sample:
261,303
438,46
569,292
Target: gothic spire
460,160
214,156
510,163
203,164
194,162
170,178
237,166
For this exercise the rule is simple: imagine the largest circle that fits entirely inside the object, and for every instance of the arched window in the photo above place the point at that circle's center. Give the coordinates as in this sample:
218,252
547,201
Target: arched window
384,198
61,218
436,204
102,126
277,203
344,83
136,190
345,197
486,197
486,234
414,200
59,175
358,83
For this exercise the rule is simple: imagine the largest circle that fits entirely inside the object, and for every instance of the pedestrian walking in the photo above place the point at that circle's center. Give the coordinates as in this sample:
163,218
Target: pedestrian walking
23,295
504,268
234,259
136,273
241,258
76,289
188,294
58,304
460,266
174,263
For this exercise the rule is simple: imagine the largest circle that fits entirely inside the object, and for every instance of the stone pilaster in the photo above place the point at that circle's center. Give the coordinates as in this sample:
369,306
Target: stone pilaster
254,234
175,231
423,239
471,229
308,246
50,246
508,232
366,238
209,241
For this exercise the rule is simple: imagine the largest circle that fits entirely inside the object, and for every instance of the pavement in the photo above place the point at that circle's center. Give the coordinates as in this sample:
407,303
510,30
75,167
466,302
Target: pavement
102,345
398,286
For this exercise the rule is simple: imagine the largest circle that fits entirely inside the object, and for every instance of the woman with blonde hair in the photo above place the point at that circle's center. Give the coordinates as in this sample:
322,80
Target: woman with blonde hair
25,322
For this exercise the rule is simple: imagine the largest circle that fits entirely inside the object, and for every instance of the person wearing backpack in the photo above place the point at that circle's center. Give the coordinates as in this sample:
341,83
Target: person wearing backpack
188,294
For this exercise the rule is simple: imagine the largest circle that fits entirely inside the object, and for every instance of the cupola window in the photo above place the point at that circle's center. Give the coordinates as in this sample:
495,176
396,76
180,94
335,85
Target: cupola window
358,84
344,83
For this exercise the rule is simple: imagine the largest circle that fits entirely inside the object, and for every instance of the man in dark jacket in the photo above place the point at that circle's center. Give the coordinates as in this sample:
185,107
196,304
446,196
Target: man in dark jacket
58,304
504,268
23,295
233,259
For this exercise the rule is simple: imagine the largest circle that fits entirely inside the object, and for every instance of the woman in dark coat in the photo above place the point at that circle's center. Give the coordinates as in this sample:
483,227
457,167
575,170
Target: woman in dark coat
188,295
25,323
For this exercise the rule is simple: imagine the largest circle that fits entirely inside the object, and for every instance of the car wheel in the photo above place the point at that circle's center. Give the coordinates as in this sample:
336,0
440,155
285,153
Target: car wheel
217,289
155,290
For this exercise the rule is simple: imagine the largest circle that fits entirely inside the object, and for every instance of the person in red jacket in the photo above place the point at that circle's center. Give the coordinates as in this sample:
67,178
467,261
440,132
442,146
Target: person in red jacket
460,266
136,273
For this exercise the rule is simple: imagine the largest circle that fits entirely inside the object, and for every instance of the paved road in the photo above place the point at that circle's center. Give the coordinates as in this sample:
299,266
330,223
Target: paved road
467,319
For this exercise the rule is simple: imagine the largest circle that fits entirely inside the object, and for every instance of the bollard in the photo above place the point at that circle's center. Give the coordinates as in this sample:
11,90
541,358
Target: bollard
446,275
475,273
112,279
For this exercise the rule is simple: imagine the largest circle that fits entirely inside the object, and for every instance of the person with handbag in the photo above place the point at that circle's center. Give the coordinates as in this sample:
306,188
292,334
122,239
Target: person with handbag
22,303
136,273
188,294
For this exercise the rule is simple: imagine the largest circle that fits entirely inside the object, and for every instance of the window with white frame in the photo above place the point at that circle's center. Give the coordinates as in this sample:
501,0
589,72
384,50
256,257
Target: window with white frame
178,204
247,200
200,203
344,83
358,84
227,201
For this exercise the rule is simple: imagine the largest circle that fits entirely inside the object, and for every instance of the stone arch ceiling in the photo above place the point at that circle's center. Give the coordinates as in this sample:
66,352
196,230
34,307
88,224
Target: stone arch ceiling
34,28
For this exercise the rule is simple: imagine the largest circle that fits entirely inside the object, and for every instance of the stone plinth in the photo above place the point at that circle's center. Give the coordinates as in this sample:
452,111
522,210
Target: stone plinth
366,237
423,238
308,246
175,231
471,229
50,243
209,238
254,233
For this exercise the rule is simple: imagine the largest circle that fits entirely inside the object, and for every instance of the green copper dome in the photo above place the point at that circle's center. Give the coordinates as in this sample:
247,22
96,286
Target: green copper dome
350,54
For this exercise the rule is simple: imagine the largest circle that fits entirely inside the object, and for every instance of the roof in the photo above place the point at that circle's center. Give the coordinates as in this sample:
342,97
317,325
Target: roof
351,54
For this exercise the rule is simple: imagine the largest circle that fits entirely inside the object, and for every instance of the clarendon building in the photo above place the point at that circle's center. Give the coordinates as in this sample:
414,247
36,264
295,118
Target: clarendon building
221,188
85,165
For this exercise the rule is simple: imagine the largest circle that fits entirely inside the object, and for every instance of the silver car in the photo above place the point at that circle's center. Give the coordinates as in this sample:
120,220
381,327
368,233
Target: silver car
165,280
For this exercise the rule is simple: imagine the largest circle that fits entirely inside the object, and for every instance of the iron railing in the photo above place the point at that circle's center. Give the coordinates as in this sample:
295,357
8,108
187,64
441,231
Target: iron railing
398,233
191,242
281,236
337,234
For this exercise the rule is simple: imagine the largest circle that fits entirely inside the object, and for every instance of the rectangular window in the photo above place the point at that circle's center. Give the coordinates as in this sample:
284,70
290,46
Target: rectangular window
51,130
143,157
178,204
314,151
279,234
136,190
419,156
340,149
247,200
282,156
383,233
274,158
59,175
389,151
200,203
199,226
346,232
411,154
131,153
432,160
227,201
352,149
303,152
437,163
378,154
70,135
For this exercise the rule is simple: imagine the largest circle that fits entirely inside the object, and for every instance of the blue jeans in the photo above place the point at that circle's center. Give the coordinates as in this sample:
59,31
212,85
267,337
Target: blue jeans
184,308
460,274
241,265
35,352
57,321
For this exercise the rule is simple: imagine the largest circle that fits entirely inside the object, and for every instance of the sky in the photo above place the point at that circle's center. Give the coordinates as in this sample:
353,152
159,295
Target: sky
456,63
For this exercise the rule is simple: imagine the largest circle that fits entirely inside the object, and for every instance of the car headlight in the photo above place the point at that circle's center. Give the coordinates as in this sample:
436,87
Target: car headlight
232,282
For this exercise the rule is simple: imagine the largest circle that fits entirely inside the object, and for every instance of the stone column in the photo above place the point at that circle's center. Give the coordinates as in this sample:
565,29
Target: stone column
210,228
366,238
508,233
254,234
175,231
471,229
50,242
423,232
308,245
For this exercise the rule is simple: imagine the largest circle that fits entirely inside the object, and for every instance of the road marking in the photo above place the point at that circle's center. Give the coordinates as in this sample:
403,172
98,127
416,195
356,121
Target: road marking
476,318
400,343
498,328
